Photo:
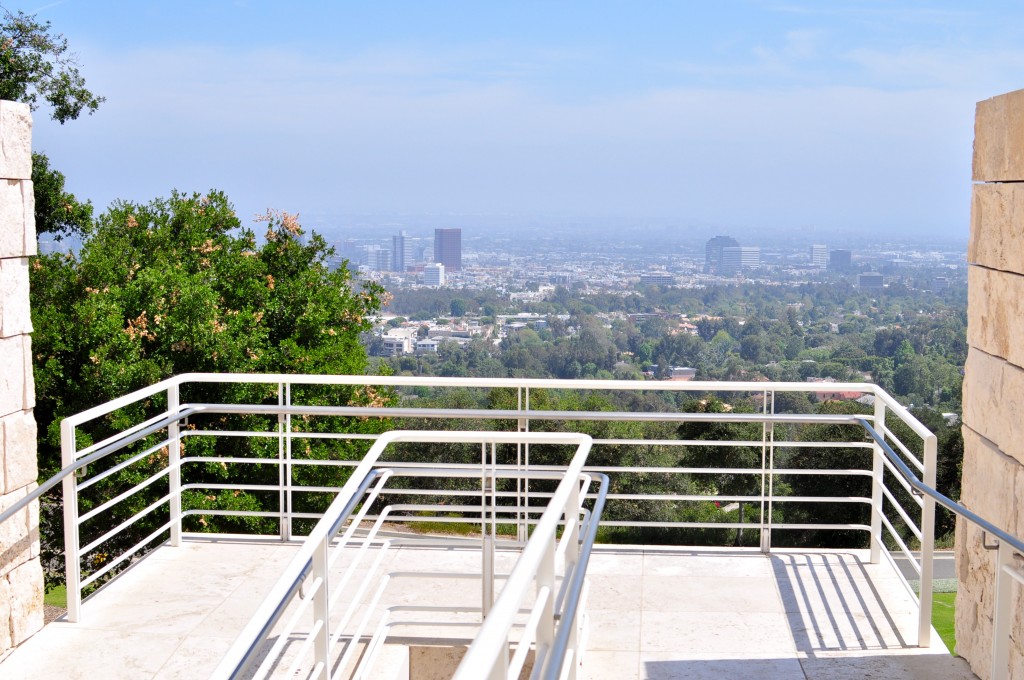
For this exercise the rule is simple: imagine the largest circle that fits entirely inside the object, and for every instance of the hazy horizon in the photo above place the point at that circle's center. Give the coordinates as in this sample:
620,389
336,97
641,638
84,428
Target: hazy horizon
853,118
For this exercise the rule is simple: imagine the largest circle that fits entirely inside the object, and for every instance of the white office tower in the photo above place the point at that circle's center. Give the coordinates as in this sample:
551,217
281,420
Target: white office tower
819,256
433,275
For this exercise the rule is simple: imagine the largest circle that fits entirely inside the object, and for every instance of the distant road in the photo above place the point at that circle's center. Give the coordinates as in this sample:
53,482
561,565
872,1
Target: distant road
944,563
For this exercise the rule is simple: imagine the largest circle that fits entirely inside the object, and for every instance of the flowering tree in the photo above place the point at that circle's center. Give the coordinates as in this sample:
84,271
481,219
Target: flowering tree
178,285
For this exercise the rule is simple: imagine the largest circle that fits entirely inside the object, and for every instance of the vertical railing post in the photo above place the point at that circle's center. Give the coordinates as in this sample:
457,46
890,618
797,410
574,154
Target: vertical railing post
924,623
321,611
546,579
174,461
522,516
763,531
766,542
288,500
281,496
486,539
72,560
877,478
1002,613
572,515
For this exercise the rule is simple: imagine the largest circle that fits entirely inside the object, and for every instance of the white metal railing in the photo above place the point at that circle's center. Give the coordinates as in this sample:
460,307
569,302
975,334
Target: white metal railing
162,431
534,573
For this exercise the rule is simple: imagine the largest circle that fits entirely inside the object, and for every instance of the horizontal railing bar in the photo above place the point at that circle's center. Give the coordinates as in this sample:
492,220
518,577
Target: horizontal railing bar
906,451
125,555
127,523
120,497
908,522
517,414
779,444
81,486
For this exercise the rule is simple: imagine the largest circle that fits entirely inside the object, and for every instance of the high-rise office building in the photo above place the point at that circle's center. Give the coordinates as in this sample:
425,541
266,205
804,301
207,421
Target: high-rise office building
839,260
448,249
736,258
819,256
713,253
401,251
433,275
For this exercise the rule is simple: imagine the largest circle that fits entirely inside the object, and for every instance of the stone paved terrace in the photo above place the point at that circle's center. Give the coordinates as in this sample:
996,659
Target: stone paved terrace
654,613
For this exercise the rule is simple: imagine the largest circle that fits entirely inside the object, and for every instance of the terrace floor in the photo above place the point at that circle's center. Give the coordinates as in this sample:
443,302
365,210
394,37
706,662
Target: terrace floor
653,613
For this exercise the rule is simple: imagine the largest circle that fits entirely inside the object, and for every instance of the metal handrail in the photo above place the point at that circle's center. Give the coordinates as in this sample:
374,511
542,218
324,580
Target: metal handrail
942,499
890,453
243,654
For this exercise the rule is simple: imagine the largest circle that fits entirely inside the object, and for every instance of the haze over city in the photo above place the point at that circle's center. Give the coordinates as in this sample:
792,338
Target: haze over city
743,116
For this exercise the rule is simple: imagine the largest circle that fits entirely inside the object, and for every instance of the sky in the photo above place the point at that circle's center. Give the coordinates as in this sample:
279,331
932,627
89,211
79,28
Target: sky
830,117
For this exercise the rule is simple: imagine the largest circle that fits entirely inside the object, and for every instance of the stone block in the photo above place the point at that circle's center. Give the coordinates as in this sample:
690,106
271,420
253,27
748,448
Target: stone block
17,215
997,227
15,316
20,450
29,388
990,482
28,198
15,141
26,600
992,388
995,313
15,541
5,615
999,138
12,377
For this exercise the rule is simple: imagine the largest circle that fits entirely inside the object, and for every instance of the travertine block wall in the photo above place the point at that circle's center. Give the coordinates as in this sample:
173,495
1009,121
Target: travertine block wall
993,471
21,576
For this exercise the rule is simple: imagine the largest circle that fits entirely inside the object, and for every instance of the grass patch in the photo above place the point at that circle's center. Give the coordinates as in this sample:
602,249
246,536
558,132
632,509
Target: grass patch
57,597
942,618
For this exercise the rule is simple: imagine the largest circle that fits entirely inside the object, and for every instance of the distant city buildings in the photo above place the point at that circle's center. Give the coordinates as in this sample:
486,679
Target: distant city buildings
870,281
713,253
448,248
819,256
657,279
433,274
401,251
840,260
737,258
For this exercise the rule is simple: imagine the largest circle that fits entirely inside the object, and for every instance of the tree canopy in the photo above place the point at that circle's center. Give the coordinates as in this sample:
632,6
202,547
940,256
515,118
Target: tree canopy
35,64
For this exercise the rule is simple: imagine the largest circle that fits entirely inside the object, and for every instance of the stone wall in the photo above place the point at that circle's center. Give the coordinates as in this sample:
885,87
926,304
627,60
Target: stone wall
21,576
993,399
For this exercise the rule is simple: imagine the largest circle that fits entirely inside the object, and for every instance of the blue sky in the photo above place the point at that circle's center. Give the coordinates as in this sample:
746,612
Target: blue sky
846,116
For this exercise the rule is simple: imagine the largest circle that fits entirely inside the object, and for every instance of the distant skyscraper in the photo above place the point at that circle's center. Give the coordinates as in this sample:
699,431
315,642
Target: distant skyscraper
448,248
736,258
819,256
870,281
839,260
713,253
433,275
401,252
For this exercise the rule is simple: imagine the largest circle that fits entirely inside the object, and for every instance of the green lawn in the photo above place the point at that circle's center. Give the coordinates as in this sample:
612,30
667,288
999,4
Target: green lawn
58,597
942,618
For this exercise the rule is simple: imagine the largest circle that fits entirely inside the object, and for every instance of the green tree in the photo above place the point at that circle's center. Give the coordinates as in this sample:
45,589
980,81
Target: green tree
178,285
35,63
57,212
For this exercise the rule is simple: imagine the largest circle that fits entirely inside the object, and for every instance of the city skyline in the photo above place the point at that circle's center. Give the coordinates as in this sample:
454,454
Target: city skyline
752,115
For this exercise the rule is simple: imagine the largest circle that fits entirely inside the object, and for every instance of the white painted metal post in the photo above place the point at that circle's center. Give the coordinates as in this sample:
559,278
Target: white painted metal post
174,462
288,465
763,532
924,623
877,473
321,612
486,540
546,579
572,515
1002,613
280,466
72,561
